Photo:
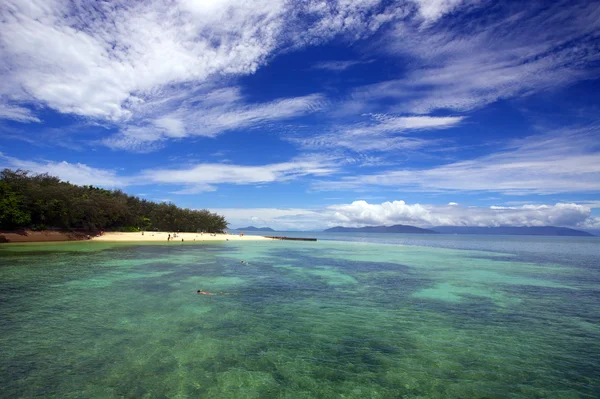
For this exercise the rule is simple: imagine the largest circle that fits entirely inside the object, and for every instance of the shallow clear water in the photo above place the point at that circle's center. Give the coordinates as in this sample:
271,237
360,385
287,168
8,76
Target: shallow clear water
474,317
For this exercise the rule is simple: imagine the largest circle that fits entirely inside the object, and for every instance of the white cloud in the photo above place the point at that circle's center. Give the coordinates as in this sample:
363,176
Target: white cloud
137,139
172,127
361,143
356,19
206,113
432,10
16,113
399,124
76,173
338,65
381,133
193,179
98,59
361,213
147,64
202,177
477,60
561,162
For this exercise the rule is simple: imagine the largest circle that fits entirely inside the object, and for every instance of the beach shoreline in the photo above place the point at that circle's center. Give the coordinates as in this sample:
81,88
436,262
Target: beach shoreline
26,236
161,236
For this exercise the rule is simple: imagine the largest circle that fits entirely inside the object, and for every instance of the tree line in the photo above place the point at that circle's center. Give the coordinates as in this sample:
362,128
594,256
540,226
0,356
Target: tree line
41,201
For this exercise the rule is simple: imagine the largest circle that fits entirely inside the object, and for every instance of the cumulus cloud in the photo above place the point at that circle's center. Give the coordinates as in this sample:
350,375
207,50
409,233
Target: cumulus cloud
567,161
361,213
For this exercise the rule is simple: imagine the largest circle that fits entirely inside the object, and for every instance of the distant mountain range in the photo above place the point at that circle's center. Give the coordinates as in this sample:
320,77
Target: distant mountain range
252,228
509,230
398,228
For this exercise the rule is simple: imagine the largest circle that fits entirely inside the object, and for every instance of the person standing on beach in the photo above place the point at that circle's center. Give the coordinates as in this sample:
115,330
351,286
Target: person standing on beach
169,237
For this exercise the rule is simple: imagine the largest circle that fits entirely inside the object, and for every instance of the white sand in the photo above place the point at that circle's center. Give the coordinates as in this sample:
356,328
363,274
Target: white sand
160,236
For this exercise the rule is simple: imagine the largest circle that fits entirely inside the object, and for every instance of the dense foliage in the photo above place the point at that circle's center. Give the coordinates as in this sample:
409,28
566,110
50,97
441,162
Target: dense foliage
42,201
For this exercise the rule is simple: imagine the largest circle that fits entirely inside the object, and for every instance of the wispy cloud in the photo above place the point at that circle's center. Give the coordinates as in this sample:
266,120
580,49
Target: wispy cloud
432,10
206,114
203,177
567,161
123,61
16,113
76,173
192,179
399,124
382,133
99,60
338,66
477,60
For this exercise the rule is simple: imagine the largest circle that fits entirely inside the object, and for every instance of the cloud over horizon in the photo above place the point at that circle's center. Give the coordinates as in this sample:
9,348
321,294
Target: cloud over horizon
362,213
206,177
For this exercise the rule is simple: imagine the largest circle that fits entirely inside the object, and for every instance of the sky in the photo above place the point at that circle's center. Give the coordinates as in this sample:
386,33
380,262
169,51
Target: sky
311,114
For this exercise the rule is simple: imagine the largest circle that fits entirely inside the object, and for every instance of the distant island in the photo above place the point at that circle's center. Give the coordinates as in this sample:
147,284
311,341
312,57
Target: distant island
398,228
513,230
252,228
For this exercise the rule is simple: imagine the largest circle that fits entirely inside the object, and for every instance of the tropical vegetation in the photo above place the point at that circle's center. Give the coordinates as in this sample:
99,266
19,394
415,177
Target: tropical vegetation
41,201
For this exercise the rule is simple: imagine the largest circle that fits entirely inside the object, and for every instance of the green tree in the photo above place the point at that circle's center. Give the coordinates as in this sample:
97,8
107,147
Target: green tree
12,208
40,201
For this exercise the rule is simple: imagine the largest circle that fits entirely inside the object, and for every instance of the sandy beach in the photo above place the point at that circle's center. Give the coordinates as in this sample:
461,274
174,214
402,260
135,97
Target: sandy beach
160,236
148,236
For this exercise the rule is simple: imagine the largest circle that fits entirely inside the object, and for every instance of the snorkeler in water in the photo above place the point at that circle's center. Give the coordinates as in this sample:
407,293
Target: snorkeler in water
203,292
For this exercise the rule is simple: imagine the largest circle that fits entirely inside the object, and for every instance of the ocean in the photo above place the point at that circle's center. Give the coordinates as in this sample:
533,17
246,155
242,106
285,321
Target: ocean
349,316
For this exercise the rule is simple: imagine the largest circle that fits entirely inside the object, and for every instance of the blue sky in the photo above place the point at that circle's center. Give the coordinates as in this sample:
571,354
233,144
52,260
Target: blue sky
310,114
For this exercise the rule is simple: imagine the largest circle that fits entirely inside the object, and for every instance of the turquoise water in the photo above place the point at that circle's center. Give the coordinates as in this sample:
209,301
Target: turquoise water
454,317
